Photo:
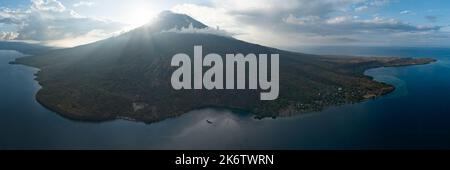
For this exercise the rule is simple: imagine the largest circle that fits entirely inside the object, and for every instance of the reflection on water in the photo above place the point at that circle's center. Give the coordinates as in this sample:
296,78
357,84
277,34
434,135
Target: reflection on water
416,115
222,129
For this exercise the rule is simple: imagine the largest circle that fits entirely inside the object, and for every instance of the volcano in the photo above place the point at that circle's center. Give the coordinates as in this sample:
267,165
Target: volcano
128,76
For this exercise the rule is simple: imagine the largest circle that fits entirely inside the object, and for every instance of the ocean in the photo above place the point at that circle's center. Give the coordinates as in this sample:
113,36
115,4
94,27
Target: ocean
415,116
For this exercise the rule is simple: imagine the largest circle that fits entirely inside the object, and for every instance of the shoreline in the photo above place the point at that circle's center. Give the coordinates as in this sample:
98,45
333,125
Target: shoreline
314,108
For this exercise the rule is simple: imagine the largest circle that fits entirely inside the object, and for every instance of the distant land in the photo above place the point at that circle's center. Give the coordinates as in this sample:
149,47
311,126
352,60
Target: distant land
128,76
25,48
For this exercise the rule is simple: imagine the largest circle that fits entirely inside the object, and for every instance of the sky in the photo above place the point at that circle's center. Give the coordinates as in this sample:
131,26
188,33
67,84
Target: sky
287,23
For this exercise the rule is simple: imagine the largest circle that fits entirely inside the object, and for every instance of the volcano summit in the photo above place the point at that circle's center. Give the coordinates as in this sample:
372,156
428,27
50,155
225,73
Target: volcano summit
130,76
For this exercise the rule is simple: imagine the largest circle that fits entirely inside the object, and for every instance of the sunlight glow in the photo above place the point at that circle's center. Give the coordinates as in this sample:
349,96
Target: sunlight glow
139,16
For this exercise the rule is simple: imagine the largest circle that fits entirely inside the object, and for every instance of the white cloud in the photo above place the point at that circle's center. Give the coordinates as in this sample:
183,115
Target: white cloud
368,5
272,23
8,35
216,16
361,8
405,12
50,20
378,2
47,5
291,19
9,16
83,3
338,20
267,22
191,30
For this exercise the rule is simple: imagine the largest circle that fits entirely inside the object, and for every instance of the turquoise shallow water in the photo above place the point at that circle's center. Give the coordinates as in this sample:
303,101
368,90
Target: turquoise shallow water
416,115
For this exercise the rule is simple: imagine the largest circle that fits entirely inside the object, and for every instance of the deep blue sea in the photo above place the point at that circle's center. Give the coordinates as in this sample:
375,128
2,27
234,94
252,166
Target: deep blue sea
415,116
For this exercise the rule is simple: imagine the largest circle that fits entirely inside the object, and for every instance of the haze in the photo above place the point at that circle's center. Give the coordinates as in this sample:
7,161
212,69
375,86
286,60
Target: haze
268,22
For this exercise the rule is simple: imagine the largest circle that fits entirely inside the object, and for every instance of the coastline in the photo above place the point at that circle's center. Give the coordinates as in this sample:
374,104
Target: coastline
284,112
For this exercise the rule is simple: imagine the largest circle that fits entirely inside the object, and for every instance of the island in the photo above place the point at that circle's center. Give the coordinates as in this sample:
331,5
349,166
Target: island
128,76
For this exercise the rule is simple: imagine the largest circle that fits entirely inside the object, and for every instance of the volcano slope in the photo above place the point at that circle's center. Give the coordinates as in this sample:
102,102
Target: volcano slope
128,76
